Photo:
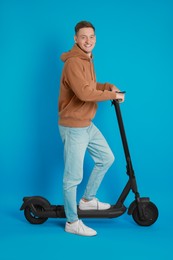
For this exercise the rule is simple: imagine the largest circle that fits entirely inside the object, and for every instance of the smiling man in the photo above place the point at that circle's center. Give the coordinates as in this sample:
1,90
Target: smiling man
79,94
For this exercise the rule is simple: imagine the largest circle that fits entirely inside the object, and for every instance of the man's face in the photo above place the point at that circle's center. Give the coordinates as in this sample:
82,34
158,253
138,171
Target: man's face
86,39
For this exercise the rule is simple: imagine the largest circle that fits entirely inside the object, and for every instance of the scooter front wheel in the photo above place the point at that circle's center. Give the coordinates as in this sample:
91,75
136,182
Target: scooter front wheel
149,211
31,217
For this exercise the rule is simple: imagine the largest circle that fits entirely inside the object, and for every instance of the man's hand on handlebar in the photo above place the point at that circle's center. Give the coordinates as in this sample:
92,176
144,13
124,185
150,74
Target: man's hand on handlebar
119,94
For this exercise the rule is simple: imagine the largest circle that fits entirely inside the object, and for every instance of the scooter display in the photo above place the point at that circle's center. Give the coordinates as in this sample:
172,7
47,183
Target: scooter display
144,212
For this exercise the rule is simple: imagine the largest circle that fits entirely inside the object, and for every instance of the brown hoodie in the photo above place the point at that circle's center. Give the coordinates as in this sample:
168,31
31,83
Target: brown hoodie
79,90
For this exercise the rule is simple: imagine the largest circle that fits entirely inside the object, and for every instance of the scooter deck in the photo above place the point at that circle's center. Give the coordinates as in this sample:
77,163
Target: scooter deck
112,212
58,212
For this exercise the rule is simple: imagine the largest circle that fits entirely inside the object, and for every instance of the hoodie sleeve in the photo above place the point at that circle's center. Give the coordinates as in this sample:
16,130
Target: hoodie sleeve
105,86
86,91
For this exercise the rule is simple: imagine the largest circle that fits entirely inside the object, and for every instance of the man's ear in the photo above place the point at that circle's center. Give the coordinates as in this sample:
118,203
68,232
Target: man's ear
75,38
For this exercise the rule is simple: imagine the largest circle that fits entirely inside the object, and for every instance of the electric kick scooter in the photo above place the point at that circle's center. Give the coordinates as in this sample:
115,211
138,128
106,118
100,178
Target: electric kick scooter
38,209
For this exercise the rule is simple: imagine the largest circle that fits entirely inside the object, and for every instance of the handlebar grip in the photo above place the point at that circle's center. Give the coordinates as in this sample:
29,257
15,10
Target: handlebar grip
120,92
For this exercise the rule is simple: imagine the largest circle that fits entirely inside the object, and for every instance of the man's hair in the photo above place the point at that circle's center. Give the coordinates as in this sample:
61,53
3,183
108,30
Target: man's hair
83,24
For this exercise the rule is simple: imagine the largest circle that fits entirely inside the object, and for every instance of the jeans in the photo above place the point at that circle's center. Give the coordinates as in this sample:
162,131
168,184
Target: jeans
76,141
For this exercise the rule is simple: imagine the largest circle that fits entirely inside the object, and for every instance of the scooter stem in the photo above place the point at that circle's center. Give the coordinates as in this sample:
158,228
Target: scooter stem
122,132
129,166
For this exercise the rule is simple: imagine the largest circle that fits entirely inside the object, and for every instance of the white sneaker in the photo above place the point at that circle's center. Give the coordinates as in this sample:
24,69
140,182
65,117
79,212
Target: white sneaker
93,204
79,228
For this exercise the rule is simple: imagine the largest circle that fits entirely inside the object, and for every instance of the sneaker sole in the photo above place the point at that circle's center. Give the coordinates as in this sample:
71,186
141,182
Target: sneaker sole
79,234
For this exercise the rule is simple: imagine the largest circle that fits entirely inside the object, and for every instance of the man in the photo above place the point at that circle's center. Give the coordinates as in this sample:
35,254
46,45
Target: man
79,94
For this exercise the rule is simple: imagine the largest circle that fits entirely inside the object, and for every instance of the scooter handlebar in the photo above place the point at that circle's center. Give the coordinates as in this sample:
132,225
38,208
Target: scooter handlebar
121,92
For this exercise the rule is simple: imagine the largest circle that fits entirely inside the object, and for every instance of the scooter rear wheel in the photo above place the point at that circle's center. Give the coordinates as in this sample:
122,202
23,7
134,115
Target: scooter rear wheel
150,213
31,217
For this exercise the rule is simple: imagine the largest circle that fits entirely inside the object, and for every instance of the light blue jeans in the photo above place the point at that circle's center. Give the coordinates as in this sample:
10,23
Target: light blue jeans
76,142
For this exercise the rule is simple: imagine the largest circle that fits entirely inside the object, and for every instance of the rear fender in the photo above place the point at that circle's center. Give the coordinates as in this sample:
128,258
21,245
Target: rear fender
36,200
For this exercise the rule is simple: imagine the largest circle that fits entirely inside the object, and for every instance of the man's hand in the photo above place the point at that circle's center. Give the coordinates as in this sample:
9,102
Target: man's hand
119,96
114,88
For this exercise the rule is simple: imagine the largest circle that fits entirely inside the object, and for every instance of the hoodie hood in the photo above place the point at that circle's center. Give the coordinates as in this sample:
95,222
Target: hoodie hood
75,52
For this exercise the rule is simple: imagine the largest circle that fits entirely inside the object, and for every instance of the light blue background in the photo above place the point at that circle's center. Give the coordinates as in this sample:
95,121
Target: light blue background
133,51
